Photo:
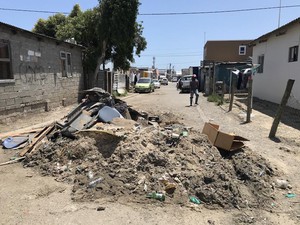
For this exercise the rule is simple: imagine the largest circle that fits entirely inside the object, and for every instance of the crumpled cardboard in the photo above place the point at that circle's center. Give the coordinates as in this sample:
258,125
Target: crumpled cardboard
222,140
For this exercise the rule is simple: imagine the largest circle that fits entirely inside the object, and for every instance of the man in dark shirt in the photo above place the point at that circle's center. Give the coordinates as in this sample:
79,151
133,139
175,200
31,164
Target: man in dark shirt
194,85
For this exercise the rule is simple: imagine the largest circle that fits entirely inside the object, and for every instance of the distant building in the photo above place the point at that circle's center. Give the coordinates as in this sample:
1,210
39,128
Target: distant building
227,51
185,71
220,55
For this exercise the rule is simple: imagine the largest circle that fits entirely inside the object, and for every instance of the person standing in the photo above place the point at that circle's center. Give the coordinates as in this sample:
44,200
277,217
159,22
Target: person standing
194,85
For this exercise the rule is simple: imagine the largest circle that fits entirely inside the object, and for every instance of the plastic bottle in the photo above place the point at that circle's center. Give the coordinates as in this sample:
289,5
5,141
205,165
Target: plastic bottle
195,200
155,195
95,182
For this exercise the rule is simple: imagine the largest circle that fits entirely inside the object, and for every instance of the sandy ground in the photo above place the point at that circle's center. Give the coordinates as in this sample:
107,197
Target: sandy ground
28,198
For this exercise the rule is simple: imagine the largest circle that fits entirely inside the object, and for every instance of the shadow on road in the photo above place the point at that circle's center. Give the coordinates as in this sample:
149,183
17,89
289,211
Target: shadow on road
290,116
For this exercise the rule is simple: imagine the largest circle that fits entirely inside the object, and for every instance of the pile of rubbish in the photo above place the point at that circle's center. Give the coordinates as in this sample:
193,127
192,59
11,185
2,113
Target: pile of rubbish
106,149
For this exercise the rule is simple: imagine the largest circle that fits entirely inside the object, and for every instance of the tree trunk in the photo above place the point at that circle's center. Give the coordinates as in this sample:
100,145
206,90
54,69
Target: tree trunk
100,60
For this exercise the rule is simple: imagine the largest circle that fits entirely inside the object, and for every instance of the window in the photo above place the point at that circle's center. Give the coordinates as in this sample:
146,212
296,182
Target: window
66,68
293,53
242,50
5,62
260,61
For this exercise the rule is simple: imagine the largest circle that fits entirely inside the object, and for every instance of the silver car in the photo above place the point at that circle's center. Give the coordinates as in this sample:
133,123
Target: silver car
156,83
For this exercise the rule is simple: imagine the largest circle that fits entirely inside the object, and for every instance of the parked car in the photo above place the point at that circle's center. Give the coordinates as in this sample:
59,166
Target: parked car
144,84
164,81
156,83
184,83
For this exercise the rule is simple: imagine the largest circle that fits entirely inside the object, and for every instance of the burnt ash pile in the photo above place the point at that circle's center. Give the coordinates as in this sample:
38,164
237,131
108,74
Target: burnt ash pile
130,161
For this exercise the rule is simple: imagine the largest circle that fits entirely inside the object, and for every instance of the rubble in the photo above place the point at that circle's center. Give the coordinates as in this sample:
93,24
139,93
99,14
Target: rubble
130,158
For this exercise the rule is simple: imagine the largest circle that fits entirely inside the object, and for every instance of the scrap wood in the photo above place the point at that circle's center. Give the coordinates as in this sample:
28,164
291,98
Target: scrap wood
12,161
44,140
19,133
37,139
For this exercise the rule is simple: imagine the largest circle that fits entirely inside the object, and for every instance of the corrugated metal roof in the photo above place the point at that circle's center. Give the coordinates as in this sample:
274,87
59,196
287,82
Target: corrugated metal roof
37,35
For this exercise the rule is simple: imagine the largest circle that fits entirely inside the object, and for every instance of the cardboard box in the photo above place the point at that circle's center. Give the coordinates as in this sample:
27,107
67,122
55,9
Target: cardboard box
229,142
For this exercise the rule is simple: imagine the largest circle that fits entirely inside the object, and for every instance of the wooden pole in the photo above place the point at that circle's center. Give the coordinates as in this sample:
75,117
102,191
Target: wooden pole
12,161
249,105
231,91
281,107
214,80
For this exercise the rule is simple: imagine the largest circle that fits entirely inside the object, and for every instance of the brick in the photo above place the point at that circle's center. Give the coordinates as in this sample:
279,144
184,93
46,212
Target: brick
2,103
27,99
13,95
18,101
10,101
4,96
9,89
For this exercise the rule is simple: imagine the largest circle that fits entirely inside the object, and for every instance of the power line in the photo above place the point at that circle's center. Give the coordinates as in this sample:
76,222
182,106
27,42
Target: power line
218,11
33,11
165,14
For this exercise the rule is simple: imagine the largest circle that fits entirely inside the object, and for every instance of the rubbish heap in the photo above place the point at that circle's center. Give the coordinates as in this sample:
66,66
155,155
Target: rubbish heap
106,149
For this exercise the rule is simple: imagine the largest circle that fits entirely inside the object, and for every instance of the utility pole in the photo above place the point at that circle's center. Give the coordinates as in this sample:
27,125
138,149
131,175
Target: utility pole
153,63
279,13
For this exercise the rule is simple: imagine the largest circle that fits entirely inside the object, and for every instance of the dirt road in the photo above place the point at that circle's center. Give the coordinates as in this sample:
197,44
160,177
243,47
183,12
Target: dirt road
28,198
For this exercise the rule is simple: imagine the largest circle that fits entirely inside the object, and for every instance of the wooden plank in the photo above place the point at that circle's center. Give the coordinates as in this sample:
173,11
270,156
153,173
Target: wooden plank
12,161
37,139
44,140
19,133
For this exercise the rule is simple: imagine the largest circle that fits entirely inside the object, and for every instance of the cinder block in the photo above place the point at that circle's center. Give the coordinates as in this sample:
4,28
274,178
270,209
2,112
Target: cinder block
10,101
18,101
2,103
4,96
8,88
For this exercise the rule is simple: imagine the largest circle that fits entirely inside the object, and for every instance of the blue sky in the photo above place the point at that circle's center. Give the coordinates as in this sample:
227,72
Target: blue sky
177,40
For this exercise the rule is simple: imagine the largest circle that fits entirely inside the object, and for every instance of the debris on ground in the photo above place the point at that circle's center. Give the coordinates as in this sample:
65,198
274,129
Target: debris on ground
141,157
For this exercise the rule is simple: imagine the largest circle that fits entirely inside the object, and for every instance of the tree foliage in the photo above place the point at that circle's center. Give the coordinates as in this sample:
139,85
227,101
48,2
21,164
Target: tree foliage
50,26
119,32
109,32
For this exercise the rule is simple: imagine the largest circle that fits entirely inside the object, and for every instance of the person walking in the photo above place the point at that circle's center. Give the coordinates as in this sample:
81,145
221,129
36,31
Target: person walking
194,85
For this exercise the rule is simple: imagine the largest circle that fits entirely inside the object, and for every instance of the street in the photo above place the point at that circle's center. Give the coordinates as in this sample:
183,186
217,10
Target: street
28,198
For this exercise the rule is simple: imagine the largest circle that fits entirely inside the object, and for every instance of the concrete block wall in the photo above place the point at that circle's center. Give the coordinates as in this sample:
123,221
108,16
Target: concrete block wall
37,81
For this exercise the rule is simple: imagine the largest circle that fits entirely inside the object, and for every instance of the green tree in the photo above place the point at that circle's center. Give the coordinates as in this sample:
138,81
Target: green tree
109,32
76,11
119,33
50,26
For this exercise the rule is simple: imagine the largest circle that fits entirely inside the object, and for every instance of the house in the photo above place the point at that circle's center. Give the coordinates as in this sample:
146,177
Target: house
277,52
37,72
219,56
227,51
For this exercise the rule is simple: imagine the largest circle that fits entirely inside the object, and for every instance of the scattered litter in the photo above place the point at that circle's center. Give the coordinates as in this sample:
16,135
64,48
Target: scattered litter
12,161
195,200
14,142
229,142
100,208
158,196
105,155
283,184
290,195
95,182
